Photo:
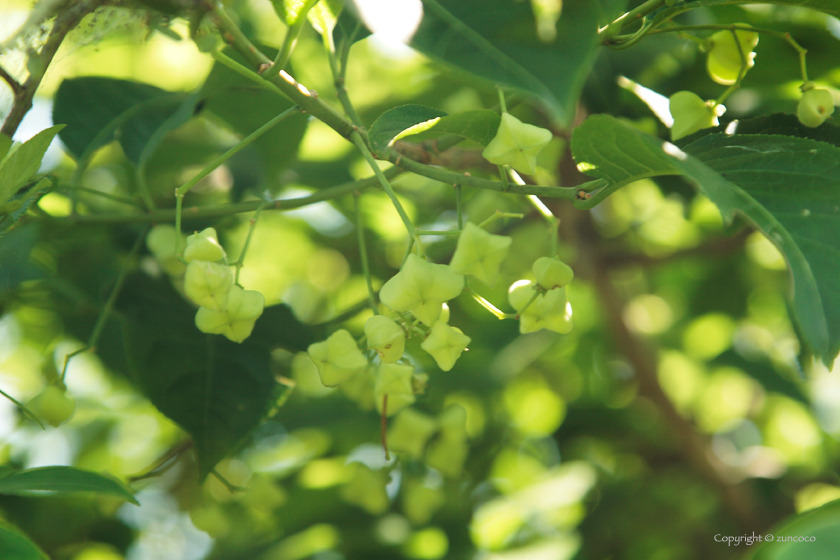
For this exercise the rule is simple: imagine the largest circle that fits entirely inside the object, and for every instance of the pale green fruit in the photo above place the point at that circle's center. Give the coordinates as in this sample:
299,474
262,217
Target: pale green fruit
691,114
386,337
447,456
548,311
394,380
517,144
552,273
445,344
306,378
208,284
204,246
420,502
367,490
210,519
444,313
359,388
410,431
52,405
480,253
162,241
338,358
453,423
815,106
724,61
421,287
237,320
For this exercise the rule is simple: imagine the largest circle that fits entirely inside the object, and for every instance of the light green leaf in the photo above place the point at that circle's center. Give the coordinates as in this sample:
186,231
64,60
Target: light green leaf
14,545
828,6
324,15
497,41
786,187
479,125
814,534
24,161
61,481
292,10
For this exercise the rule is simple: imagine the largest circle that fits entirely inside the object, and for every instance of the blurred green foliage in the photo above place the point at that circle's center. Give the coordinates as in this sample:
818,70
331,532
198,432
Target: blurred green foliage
690,402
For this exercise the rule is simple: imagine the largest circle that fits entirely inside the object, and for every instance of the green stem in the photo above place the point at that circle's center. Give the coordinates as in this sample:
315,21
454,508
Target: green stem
636,14
446,232
498,313
338,81
458,207
247,73
290,40
23,408
241,145
383,181
95,192
497,215
465,179
360,230
297,92
241,260
222,210
527,305
784,36
502,104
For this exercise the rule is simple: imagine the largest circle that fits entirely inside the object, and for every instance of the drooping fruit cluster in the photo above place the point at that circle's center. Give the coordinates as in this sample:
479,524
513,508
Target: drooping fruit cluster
543,304
52,405
691,114
517,144
224,308
728,57
815,105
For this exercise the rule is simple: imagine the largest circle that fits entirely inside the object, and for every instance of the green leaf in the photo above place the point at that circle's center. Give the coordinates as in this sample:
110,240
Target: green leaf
14,545
788,125
480,125
15,247
821,524
244,106
324,15
787,187
216,390
99,110
349,25
62,481
392,124
291,10
497,41
23,162
5,144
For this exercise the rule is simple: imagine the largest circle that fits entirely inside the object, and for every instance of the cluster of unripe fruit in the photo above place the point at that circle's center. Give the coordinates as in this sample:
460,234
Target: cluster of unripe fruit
730,55
416,296
224,307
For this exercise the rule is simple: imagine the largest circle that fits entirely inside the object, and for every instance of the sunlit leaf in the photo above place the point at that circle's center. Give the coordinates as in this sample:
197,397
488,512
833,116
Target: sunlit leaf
787,187
24,161
814,535
479,125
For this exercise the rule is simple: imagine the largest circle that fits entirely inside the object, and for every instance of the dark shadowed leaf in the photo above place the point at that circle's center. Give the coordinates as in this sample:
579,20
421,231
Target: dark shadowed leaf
497,40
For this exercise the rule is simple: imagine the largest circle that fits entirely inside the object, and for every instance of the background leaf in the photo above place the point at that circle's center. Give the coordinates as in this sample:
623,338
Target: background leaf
496,40
97,110
244,107
787,187
61,480
15,264
24,162
822,523
324,15
216,390
16,546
